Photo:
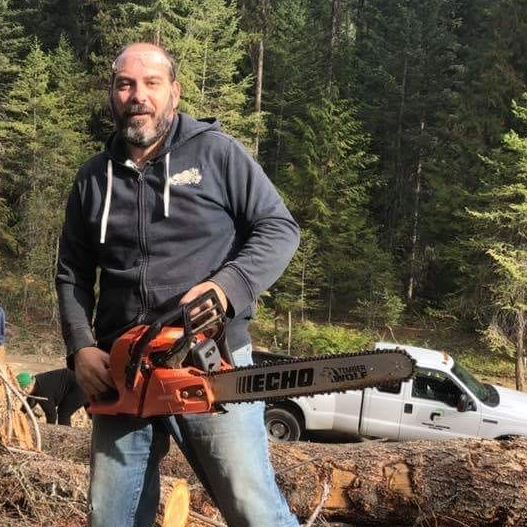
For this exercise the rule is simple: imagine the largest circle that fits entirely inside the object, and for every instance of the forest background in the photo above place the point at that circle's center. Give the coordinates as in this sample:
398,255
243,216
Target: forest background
395,131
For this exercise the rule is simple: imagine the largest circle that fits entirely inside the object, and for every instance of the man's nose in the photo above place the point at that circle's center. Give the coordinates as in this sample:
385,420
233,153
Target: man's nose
139,93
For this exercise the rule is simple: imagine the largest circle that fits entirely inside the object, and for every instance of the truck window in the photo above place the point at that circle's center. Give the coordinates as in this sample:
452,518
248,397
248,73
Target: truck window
390,388
436,386
480,390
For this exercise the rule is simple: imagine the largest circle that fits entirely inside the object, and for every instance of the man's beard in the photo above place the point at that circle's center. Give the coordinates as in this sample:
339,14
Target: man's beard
137,133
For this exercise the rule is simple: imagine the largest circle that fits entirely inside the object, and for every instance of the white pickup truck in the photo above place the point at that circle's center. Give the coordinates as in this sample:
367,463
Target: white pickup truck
442,401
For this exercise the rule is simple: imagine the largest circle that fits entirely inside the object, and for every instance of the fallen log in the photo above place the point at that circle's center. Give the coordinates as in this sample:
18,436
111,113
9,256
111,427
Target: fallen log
477,483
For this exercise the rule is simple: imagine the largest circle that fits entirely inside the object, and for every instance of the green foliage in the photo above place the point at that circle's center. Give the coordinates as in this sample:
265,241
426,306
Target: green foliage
329,180
309,339
43,120
382,309
503,238
299,288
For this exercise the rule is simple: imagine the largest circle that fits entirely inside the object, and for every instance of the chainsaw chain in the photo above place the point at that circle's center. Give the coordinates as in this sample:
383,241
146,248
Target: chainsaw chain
296,360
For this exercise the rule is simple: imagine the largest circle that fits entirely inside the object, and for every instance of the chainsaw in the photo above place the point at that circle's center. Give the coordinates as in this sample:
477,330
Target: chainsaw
181,364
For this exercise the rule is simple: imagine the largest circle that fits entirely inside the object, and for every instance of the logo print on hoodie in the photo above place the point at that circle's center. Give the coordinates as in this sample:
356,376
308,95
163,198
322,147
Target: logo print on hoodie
191,176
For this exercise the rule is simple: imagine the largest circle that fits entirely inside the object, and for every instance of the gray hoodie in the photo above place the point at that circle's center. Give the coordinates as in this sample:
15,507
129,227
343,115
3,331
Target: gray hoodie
202,210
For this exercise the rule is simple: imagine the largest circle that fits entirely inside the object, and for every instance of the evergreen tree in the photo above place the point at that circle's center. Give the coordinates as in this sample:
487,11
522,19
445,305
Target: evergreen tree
44,146
407,70
502,223
13,45
331,177
299,288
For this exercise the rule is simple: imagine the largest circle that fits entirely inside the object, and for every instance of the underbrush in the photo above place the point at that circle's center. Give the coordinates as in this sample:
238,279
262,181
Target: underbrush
310,339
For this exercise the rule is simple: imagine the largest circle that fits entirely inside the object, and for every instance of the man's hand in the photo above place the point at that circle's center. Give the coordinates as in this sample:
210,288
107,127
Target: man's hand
202,288
92,371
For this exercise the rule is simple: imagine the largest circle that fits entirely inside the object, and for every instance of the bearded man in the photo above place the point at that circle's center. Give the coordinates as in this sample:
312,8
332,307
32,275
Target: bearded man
172,208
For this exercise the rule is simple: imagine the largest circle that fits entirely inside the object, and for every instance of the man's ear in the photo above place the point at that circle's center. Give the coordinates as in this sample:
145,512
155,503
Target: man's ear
176,93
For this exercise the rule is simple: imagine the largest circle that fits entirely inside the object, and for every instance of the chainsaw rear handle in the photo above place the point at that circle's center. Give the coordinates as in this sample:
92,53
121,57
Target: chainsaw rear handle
181,314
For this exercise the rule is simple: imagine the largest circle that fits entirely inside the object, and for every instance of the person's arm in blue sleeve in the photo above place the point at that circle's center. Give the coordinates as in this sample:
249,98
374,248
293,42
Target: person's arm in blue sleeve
75,279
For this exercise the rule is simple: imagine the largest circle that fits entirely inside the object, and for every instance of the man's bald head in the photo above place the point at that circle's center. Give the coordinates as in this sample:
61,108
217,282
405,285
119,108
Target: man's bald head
145,51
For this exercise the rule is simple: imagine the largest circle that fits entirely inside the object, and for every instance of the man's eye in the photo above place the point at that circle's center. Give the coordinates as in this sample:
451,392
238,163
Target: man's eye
123,85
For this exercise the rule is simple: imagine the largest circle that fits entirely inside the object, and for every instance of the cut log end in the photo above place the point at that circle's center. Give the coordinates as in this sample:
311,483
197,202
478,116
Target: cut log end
177,505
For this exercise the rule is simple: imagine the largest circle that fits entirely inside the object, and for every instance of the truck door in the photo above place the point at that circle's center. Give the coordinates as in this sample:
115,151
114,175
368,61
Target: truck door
430,408
381,411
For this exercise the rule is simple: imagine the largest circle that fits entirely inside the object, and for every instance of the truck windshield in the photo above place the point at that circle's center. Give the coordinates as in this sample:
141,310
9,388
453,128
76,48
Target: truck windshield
476,387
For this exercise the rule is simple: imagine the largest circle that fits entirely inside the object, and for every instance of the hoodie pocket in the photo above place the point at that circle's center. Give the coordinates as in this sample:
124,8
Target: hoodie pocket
117,311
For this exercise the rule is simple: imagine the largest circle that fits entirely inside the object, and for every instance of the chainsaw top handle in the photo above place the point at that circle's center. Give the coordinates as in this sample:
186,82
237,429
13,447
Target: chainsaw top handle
210,317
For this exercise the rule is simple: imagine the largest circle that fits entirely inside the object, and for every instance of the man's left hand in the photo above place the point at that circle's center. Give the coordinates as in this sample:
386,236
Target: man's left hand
202,288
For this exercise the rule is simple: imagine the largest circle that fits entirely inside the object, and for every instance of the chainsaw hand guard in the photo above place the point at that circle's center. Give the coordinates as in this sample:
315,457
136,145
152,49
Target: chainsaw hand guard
203,315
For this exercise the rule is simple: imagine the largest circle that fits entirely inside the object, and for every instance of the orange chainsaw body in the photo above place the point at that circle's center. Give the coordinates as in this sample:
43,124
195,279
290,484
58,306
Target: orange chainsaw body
157,390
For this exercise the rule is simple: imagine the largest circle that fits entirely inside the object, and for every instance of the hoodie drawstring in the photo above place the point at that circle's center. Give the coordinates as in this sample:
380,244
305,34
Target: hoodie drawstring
107,200
166,193
109,188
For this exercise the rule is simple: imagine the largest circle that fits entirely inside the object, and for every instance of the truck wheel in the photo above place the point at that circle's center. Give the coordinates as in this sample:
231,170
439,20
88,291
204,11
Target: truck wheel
282,425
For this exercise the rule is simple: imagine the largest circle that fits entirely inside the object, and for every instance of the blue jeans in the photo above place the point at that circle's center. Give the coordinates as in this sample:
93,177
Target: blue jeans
228,452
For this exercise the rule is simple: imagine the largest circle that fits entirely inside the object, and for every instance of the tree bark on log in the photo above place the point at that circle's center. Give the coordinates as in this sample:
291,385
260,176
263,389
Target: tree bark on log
477,483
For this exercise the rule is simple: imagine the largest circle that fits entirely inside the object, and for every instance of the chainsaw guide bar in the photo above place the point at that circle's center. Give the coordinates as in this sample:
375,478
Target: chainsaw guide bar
274,380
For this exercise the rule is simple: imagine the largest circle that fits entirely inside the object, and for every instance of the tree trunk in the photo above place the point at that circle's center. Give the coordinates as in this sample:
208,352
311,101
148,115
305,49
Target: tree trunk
520,351
415,224
333,38
395,208
477,483
303,290
258,98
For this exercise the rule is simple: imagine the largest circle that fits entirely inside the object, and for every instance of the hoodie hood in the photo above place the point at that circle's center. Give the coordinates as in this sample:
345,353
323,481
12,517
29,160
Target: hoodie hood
183,129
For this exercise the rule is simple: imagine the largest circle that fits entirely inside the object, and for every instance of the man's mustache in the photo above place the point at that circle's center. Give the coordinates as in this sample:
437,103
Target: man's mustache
135,109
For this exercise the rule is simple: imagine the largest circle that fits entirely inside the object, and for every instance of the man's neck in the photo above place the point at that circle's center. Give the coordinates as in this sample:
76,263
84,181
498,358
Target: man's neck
140,155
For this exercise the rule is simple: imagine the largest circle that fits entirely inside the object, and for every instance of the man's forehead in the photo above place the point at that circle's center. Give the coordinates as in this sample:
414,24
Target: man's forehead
145,58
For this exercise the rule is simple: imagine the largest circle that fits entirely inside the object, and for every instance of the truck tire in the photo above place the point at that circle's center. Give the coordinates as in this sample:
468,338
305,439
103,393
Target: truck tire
282,424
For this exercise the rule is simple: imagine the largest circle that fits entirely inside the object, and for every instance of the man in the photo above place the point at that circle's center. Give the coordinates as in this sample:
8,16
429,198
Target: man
57,393
171,209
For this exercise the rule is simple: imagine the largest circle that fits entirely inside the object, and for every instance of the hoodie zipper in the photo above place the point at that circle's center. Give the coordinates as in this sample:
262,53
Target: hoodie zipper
141,206
143,290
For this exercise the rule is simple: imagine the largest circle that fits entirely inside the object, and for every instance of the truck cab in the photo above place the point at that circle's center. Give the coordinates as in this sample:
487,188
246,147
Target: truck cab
443,400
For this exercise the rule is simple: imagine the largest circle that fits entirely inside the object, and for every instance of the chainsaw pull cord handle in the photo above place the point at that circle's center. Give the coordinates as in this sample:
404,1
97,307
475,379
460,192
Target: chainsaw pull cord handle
175,314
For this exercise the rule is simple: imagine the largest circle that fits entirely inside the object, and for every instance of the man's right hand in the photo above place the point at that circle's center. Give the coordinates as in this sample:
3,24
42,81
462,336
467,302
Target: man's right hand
92,371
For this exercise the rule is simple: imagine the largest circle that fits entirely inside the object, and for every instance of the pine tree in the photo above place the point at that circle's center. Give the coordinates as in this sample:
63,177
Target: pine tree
13,45
407,70
331,177
45,143
502,223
